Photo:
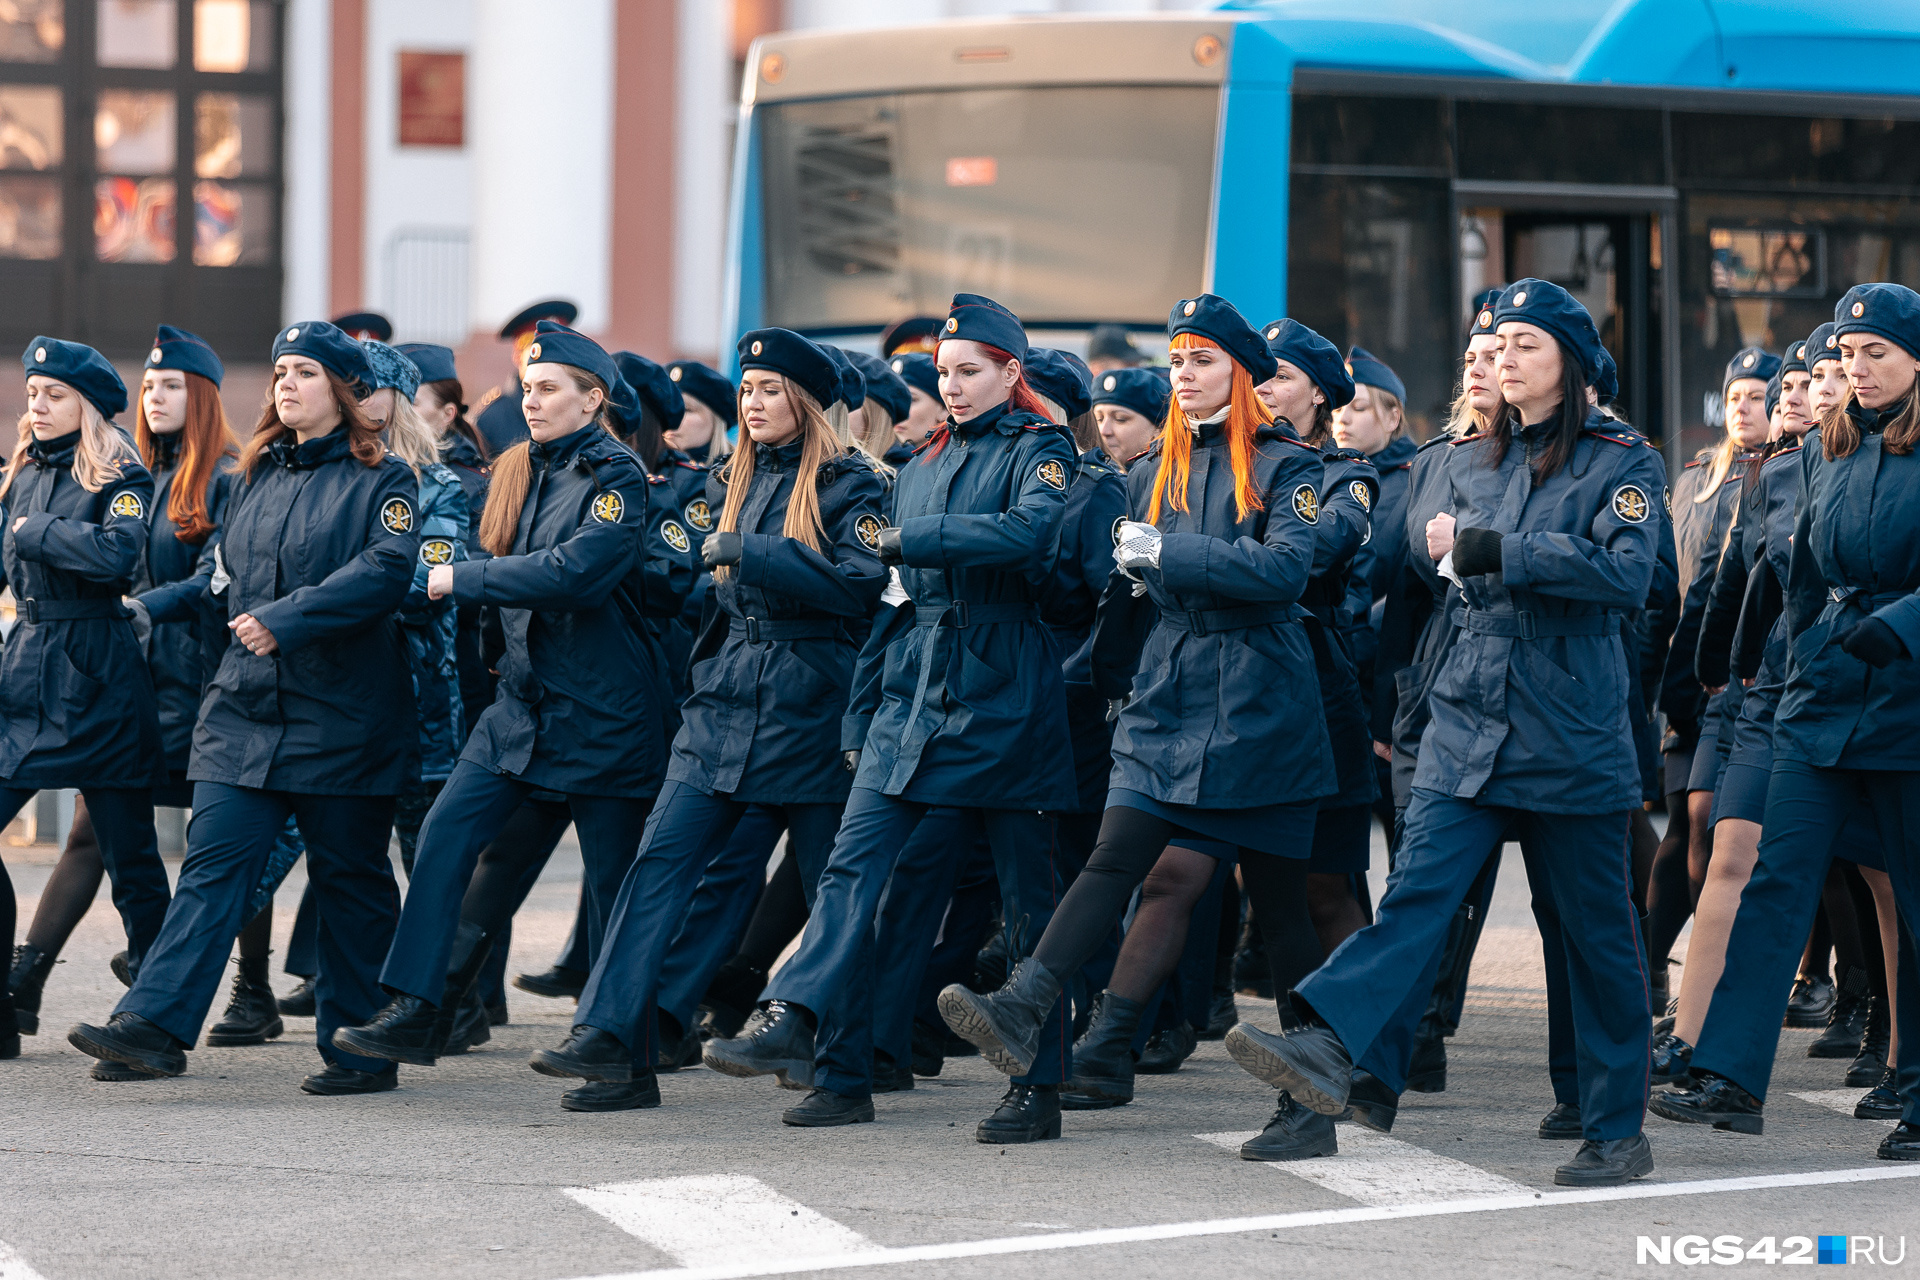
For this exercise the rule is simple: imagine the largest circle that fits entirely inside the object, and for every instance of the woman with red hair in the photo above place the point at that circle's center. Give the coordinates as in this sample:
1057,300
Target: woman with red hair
1221,751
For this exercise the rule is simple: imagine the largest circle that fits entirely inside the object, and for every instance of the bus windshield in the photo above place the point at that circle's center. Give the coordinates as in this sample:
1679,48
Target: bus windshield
1068,205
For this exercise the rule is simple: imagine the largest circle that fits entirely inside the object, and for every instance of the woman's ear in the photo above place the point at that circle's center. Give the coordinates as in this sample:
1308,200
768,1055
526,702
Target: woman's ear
1010,372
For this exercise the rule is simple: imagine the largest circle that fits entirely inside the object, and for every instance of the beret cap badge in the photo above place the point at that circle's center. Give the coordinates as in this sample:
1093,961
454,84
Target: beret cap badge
156,357
1520,298
40,355
533,352
1748,362
1188,309
757,347
1859,309
675,373
1110,383
952,324
293,335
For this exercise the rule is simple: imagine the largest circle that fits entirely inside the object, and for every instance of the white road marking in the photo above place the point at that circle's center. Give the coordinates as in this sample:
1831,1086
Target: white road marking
1270,1223
13,1266
1375,1169
1841,1100
721,1220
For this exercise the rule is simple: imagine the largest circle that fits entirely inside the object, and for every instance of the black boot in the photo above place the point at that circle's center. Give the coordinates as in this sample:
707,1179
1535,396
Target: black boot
1308,1062
676,1049
1672,1060
1562,1123
471,1026
1607,1164
110,1072
732,995
253,1015
337,1081
123,968
401,1032
1294,1133
929,1052
1811,1002
1168,1049
1370,1104
1428,1071
825,1109
1103,1058
298,1003
557,983
1028,1113
497,1013
130,1038
777,1040
1222,1013
1006,1024
1883,1101
1847,1023
889,1076
471,947
1902,1144
612,1095
9,1029
31,966
1713,1100
1252,976
588,1053
1872,1060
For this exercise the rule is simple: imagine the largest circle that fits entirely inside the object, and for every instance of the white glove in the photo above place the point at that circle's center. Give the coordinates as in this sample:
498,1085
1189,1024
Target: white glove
1138,546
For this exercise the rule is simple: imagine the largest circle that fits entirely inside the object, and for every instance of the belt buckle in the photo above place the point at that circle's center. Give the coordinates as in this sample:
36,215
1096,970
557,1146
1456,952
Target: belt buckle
1838,595
1525,618
753,631
1197,621
957,611
30,609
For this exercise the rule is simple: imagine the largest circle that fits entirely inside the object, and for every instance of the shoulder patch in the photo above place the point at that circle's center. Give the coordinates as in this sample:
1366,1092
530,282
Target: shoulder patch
1784,453
1051,474
868,528
1306,504
1630,504
396,516
609,507
699,515
486,398
1466,439
1361,494
436,551
676,536
654,479
127,504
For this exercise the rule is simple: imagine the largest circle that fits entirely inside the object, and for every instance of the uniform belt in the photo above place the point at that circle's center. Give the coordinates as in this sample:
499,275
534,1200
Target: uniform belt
1524,625
1868,600
1207,621
66,610
960,614
763,630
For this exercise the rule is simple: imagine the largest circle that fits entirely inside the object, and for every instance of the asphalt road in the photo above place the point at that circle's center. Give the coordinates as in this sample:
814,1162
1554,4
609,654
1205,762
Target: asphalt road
472,1169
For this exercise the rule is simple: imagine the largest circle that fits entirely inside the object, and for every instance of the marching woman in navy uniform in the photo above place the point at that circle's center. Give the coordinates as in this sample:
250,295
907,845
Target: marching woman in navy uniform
76,704
1129,406
182,434
1221,750
925,409
1554,533
310,715
709,413
1845,731
580,706
972,712
795,572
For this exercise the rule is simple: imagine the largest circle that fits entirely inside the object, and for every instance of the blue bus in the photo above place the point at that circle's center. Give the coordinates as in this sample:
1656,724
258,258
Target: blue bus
1703,174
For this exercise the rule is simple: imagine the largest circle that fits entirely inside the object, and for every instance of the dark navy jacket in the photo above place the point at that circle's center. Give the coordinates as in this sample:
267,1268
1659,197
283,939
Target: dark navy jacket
78,703
1225,710
1338,596
1532,708
1700,534
1096,499
763,721
431,626
189,633
502,423
581,705
320,550
1389,545
972,706
476,680
1856,553
1418,623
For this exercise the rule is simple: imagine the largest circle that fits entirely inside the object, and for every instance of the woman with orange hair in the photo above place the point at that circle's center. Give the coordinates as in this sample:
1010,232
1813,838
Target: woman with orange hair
1221,751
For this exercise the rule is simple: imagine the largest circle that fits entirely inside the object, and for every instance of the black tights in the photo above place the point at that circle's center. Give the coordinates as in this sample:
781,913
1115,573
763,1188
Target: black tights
778,917
70,890
1669,892
1132,851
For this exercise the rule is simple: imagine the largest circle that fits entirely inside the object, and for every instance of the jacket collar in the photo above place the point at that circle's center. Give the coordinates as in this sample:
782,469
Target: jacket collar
288,452
57,452
981,424
557,454
778,457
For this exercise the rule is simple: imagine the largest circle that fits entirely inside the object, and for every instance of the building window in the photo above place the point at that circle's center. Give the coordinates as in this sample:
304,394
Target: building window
433,99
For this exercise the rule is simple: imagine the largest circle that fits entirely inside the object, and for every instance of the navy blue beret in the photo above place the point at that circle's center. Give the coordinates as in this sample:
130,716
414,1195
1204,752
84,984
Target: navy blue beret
1212,317
434,362
654,387
1112,342
707,385
1481,312
1061,377
852,391
1545,305
365,324
883,385
552,309
1372,371
1795,359
1606,380
1750,362
331,349
917,369
785,352
975,318
1822,345
80,367
1773,391
391,369
1142,390
919,332
1891,311
554,343
1312,355
177,349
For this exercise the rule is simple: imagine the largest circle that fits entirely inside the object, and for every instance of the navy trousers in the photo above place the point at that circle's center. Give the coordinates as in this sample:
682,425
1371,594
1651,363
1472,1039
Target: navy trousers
1807,808
229,841
956,950
835,955
918,899
1374,987
717,919
687,826
123,824
471,810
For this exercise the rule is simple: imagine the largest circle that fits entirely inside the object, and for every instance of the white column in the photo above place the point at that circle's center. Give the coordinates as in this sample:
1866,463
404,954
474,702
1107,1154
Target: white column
540,121
305,226
703,110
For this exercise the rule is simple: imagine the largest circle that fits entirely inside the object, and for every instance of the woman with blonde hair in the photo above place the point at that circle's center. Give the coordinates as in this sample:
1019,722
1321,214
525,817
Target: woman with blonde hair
77,707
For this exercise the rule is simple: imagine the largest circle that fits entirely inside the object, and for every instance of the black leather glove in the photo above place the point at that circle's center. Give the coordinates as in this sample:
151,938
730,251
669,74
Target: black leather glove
1874,643
1476,551
721,548
890,552
852,760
